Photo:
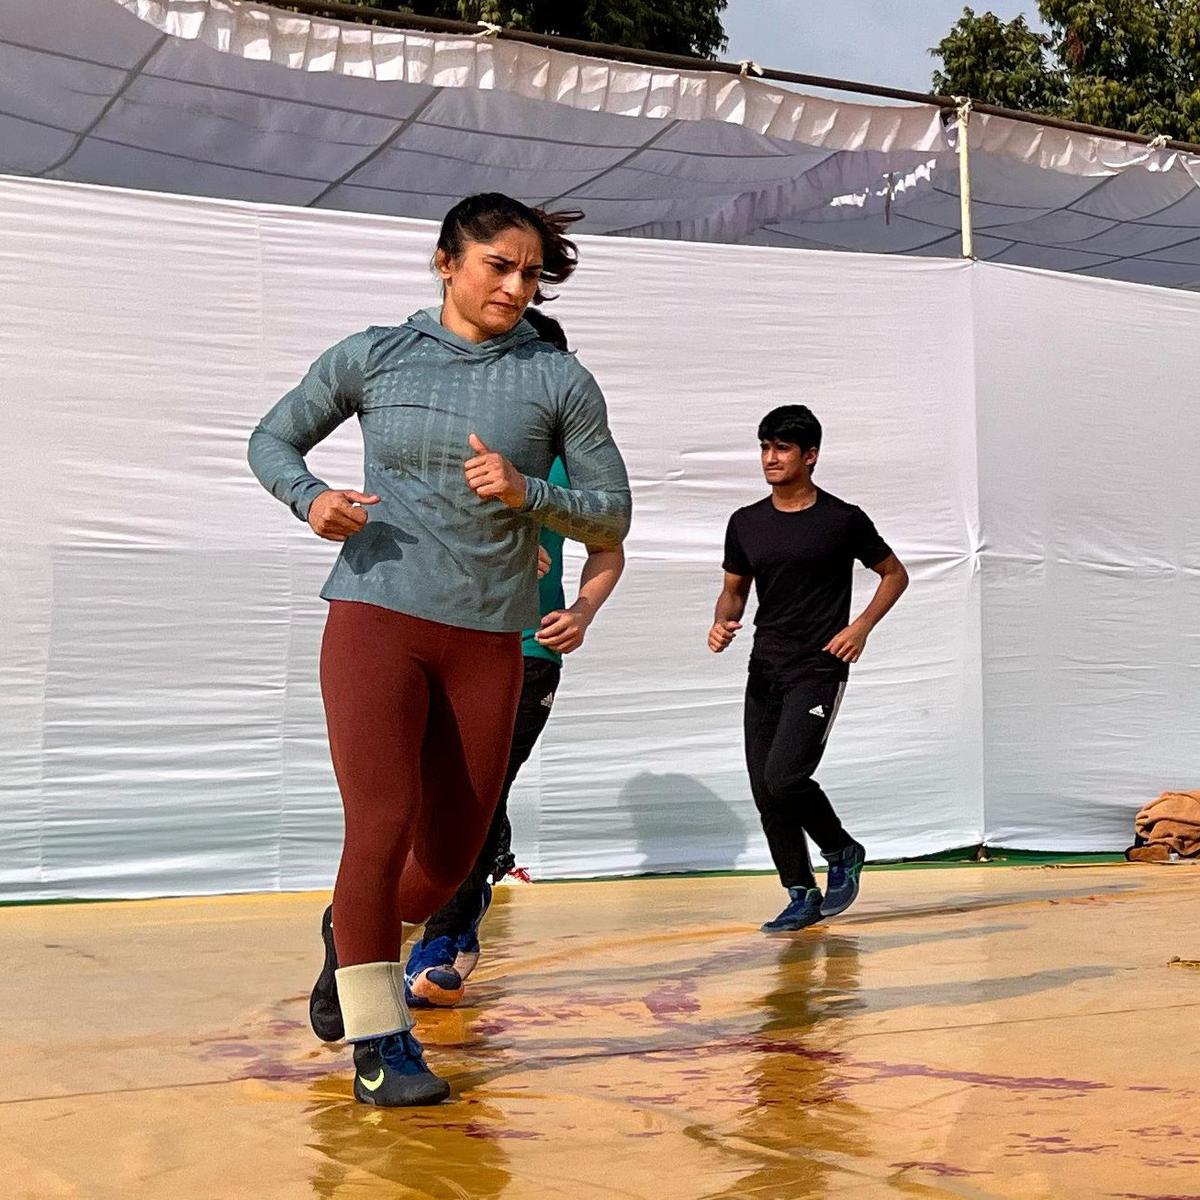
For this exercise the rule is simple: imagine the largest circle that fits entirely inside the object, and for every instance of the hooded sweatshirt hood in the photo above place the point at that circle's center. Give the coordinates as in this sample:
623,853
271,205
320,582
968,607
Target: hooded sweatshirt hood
427,322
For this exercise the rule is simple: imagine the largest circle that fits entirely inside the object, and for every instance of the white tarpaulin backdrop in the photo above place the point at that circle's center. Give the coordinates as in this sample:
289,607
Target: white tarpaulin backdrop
1026,442
238,100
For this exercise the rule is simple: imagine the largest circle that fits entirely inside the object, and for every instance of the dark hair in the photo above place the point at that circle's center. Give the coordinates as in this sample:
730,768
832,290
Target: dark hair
792,423
548,329
482,217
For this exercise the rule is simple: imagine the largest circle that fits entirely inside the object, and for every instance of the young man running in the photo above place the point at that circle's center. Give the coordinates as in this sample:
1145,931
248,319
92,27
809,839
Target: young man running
798,546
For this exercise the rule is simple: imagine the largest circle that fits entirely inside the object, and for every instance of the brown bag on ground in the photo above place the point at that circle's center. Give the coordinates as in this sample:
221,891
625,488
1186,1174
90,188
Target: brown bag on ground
1170,823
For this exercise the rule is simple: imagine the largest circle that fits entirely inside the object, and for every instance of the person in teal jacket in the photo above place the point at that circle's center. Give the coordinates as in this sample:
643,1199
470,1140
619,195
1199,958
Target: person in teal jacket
441,960
463,410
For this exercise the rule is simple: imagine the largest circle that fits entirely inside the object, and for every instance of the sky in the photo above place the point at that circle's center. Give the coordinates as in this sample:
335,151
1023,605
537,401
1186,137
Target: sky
868,41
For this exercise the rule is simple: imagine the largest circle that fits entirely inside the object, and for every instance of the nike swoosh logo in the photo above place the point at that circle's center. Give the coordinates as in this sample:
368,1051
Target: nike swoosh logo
372,1085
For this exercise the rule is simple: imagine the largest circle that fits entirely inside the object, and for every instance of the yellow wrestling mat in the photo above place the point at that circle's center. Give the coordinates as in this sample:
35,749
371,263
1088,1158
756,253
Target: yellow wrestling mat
982,1032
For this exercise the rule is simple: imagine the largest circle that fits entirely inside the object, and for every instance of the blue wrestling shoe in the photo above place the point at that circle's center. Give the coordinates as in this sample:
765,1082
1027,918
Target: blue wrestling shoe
430,980
803,910
391,1072
466,945
841,887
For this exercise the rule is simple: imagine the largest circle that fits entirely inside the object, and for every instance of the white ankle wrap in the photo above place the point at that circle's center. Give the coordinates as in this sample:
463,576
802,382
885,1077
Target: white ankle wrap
372,1000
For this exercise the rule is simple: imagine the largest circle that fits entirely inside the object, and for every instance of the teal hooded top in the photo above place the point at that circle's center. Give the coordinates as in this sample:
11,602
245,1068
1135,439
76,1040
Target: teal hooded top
431,547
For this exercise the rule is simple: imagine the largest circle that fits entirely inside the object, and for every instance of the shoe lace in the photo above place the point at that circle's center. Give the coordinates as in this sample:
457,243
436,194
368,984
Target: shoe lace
402,1053
438,953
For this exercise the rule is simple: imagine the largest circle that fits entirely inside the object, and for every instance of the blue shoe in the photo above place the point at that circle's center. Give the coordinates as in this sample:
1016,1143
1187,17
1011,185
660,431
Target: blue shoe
430,980
390,1072
841,888
803,910
466,945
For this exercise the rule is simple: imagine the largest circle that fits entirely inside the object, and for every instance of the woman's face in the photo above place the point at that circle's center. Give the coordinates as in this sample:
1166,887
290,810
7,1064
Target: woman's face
491,284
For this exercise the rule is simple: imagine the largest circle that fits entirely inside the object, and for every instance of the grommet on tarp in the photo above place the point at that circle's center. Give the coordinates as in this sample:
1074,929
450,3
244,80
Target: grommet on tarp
749,66
488,30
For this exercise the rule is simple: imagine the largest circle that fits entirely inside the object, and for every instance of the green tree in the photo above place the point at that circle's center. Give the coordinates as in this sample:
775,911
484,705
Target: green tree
670,26
1126,64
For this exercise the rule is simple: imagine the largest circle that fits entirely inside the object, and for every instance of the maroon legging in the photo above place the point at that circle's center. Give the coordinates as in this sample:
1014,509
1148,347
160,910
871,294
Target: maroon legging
420,718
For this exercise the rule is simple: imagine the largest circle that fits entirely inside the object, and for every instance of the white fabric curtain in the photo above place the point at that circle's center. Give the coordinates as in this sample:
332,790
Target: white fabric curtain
237,100
1020,438
1088,443
260,33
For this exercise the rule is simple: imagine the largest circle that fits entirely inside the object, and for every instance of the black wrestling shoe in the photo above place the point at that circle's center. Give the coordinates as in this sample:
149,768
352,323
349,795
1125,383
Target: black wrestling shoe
803,910
324,1008
390,1072
841,886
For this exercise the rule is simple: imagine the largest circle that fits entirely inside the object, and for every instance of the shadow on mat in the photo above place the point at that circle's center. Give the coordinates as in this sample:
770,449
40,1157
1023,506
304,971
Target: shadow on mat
973,904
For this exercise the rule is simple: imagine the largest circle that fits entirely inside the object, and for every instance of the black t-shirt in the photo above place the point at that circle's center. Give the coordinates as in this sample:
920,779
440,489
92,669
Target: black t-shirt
802,564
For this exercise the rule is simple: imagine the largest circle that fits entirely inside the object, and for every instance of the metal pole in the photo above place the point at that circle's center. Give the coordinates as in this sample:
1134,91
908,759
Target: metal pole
963,147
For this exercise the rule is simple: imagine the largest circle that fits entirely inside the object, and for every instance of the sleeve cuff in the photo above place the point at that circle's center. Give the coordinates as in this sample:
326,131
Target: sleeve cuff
304,493
535,493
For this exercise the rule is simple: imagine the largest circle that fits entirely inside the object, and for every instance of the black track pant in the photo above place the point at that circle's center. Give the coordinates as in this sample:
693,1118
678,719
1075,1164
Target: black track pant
787,726
495,859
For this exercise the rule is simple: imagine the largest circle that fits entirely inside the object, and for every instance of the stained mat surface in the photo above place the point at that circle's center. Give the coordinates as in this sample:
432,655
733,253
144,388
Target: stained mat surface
986,1032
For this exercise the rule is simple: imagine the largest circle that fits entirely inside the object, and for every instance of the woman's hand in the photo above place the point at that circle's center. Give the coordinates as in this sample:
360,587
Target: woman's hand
492,477
339,515
543,567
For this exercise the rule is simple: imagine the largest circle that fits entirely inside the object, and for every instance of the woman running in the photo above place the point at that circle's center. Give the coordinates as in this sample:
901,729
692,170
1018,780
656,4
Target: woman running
447,952
463,410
